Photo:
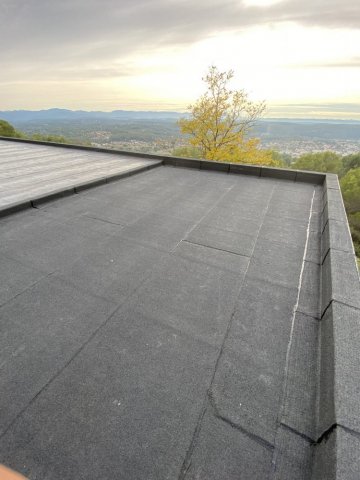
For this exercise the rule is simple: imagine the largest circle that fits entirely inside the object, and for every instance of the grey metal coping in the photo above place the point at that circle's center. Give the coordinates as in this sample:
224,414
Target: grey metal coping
338,424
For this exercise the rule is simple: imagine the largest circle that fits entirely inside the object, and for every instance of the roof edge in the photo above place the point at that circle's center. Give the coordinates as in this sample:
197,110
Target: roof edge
71,190
338,406
227,167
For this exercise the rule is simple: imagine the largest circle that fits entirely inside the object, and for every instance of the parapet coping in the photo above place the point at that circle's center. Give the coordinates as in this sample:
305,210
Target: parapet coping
236,168
227,167
339,359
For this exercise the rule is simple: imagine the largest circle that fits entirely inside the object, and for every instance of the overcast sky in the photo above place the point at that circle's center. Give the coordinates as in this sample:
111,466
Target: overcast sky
301,56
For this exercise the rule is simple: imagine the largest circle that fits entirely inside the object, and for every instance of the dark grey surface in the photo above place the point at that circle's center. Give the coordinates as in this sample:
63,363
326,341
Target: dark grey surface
336,234
41,329
247,388
340,389
150,330
276,262
15,278
313,250
340,279
309,299
333,207
212,256
124,408
300,405
224,452
337,457
293,456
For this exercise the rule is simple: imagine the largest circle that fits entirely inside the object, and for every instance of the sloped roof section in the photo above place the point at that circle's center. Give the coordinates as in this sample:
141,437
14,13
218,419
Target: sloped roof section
181,323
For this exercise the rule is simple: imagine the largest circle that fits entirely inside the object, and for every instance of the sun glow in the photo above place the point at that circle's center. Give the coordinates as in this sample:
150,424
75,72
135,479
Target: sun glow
261,3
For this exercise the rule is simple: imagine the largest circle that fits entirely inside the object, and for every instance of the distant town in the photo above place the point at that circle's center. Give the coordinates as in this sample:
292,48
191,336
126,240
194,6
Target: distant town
294,148
158,132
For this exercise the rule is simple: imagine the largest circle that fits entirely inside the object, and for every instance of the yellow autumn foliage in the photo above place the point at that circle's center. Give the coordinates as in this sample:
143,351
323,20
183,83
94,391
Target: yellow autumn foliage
220,122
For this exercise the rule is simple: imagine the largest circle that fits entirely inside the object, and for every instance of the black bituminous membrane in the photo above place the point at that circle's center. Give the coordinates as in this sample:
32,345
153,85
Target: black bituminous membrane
150,317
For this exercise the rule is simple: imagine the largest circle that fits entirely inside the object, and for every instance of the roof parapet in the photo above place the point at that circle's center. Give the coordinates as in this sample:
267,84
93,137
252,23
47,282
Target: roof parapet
244,169
338,422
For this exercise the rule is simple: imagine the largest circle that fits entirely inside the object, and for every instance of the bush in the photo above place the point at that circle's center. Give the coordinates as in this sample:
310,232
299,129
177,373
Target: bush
7,130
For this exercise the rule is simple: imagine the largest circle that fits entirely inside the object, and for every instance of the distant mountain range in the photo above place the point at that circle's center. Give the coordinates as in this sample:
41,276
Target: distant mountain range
64,114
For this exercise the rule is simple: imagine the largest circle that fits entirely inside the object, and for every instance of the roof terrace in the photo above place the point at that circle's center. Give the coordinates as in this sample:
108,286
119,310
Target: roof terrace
179,323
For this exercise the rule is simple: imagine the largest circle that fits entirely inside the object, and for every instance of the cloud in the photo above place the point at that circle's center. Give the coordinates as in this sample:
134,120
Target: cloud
111,28
346,63
79,40
340,105
315,110
333,106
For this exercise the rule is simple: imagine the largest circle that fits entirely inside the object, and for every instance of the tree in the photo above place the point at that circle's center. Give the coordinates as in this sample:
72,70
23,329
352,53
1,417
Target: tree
319,162
188,151
350,162
7,130
354,222
350,189
221,120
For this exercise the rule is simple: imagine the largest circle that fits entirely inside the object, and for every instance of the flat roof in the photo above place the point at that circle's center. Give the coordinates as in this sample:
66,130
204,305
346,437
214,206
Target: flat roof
181,324
29,171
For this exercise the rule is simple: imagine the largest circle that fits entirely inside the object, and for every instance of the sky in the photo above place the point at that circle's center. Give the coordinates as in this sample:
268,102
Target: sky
301,56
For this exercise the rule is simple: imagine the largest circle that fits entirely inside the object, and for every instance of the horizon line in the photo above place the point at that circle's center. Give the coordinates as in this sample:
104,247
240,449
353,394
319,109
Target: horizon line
294,116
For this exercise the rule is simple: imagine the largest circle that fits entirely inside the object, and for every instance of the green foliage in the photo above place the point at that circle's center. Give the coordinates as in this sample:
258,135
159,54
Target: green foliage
348,168
7,130
350,188
286,159
354,223
278,159
49,138
350,162
187,152
319,162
